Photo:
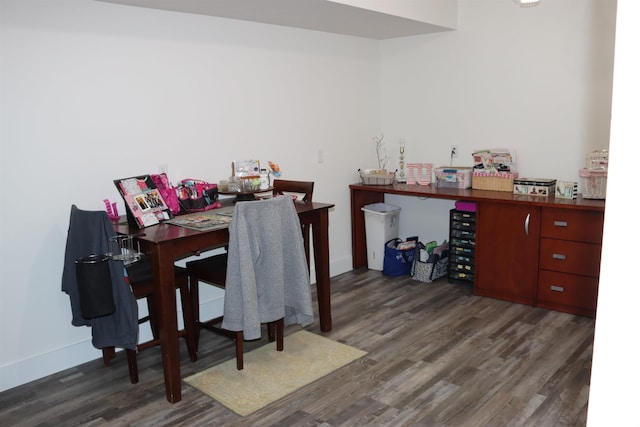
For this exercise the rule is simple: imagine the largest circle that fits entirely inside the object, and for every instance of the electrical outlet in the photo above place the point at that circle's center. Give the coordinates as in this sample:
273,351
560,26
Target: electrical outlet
453,152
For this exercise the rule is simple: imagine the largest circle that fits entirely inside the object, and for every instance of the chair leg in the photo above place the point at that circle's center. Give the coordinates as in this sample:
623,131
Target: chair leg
239,351
271,331
275,331
194,295
306,237
108,353
280,334
188,320
153,316
132,360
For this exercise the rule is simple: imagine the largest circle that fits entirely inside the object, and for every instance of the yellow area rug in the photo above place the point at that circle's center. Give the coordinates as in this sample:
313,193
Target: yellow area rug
269,375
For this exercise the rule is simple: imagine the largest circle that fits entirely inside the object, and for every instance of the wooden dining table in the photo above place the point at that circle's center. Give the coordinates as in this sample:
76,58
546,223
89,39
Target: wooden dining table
166,243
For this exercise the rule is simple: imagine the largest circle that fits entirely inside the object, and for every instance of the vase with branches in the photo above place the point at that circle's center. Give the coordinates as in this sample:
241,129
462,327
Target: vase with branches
381,152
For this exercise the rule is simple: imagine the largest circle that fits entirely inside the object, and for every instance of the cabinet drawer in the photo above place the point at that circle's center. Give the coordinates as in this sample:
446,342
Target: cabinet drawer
567,292
581,226
460,251
463,216
458,266
460,259
570,257
463,225
459,275
463,234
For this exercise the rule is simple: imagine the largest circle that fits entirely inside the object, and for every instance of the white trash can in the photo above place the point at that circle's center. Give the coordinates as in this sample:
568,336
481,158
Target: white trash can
381,225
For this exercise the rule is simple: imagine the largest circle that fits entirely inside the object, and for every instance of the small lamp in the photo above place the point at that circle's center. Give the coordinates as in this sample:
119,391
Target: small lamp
400,178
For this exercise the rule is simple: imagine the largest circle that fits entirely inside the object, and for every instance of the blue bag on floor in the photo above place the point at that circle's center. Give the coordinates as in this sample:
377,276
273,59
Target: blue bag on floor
398,256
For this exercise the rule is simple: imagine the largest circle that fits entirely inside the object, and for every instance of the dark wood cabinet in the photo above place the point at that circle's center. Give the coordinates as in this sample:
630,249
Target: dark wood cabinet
570,247
508,237
540,251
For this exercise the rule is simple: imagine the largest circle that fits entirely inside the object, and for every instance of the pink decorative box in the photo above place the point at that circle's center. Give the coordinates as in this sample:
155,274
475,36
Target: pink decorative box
461,205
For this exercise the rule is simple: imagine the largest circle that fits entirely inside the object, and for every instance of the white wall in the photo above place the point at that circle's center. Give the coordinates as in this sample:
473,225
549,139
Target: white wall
93,91
535,80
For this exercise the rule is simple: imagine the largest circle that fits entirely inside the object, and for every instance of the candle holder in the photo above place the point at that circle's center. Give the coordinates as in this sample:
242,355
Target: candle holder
400,178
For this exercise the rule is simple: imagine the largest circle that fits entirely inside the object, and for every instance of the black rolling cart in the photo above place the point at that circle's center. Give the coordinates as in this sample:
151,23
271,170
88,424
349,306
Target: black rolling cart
462,246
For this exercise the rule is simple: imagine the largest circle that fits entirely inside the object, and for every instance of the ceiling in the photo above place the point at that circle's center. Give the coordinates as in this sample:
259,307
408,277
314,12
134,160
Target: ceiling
319,15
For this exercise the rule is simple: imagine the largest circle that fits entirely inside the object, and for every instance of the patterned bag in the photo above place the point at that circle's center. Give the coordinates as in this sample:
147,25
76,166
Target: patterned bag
429,265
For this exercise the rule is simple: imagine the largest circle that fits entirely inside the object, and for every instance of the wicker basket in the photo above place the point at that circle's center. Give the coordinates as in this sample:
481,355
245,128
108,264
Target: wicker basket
594,183
502,181
378,178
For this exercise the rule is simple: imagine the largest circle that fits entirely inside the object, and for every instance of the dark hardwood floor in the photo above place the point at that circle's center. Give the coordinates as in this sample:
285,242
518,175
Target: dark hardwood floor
437,356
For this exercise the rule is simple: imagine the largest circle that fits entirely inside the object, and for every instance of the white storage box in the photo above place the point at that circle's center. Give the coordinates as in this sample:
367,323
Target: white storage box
381,223
453,177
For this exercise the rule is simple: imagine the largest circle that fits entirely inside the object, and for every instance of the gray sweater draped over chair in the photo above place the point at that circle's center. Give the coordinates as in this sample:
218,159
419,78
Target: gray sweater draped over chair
267,272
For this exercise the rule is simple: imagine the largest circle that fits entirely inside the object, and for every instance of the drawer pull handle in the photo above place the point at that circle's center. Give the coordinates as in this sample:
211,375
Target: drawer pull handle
559,256
557,288
526,224
561,223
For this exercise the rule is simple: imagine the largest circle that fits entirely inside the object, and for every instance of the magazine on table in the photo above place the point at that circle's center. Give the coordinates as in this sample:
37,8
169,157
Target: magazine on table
207,220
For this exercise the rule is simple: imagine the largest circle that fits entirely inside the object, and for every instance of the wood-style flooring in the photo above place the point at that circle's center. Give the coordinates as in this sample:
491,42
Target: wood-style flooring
437,356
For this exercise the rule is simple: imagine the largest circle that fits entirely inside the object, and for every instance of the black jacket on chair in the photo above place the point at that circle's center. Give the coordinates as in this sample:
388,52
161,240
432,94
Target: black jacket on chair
89,233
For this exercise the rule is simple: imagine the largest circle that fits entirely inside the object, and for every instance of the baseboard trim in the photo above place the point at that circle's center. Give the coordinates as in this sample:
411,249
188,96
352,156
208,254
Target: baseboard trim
32,368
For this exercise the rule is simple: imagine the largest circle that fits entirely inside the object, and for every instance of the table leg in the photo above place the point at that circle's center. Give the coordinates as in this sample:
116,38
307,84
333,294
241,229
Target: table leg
168,328
321,255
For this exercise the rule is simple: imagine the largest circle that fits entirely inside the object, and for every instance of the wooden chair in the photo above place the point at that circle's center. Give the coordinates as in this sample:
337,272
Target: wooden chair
214,270
141,279
92,232
304,189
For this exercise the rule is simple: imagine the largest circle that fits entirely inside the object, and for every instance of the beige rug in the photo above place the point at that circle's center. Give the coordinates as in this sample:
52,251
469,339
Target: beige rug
269,375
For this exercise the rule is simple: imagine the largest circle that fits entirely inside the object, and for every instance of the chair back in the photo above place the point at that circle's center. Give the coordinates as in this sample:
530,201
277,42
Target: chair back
305,189
285,186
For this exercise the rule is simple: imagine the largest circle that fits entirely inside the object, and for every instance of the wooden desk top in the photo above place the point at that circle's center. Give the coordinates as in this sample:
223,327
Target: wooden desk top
469,194
163,232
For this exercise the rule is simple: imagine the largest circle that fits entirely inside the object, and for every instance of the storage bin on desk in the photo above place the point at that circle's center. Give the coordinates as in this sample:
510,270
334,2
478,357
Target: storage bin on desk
207,200
594,183
500,181
381,222
540,187
453,177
